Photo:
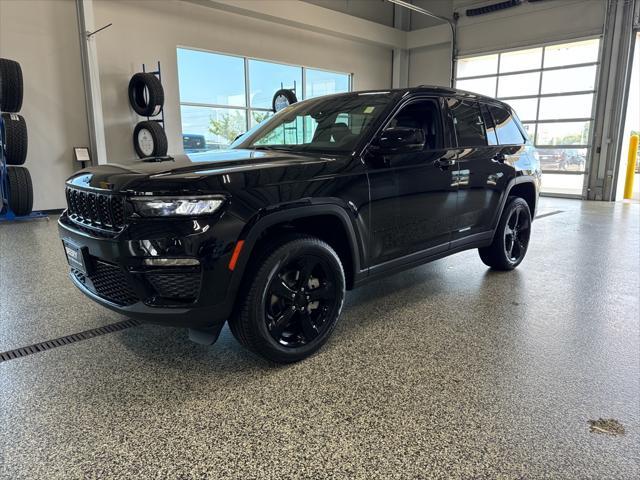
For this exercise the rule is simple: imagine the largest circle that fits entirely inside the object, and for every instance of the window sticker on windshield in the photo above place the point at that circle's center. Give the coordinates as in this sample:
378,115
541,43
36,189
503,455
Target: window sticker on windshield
369,109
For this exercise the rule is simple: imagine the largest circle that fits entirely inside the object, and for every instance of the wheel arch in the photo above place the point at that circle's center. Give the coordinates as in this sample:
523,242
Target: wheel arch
526,190
330,223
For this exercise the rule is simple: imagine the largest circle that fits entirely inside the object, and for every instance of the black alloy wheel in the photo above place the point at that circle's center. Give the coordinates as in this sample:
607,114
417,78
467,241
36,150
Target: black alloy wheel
300,301
516,235
290,299
511,240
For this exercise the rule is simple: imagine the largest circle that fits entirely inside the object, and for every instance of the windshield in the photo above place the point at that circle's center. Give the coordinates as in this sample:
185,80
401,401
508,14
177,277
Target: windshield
331,124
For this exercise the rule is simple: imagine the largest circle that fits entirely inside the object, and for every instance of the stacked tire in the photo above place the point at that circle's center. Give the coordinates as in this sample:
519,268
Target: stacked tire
17,188
146,97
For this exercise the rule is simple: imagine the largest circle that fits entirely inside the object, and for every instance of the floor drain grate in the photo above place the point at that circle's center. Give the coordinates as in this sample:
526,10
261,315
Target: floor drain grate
548,214
66,340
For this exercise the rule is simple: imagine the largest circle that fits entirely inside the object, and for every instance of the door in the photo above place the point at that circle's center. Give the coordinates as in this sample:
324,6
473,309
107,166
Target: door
482,171
413,197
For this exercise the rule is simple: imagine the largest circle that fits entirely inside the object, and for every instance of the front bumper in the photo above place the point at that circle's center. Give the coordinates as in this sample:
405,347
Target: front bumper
188,296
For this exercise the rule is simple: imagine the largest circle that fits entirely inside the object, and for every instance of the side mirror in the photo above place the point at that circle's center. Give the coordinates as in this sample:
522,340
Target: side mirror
401,139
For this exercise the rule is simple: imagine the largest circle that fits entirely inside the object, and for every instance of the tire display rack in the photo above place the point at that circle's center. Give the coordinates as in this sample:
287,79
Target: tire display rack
16,189
146,97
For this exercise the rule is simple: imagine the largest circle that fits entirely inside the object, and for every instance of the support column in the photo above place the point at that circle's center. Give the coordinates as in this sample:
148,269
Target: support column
613,89
91,78
400,62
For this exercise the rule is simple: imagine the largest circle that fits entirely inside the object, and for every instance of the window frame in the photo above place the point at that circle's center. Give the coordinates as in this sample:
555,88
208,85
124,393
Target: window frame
514,119
445,139
533,137
248,108
452,122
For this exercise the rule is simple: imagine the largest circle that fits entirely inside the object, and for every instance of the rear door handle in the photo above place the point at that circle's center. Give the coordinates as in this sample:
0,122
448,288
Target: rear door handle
444,163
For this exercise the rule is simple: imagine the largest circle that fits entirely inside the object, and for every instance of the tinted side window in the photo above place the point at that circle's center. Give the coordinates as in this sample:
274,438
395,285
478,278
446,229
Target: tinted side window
424,115
468,123
492,139
506,127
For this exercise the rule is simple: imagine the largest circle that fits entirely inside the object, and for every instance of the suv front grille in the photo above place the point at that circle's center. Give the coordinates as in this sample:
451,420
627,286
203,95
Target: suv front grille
95,210
109,282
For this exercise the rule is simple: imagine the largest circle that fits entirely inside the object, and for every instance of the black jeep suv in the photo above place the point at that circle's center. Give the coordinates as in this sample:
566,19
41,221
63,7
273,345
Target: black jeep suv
326,195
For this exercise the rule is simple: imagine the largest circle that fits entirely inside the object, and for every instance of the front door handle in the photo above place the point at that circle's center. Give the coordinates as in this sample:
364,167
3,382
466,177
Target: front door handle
445,163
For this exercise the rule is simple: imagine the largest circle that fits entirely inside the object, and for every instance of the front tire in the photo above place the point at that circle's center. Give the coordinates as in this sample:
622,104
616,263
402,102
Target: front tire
293,300
511,240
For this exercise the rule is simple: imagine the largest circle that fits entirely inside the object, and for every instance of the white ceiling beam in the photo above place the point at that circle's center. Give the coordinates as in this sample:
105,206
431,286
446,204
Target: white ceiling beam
427,37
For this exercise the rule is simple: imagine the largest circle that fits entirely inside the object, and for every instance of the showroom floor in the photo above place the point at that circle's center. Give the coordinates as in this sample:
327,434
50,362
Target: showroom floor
446,371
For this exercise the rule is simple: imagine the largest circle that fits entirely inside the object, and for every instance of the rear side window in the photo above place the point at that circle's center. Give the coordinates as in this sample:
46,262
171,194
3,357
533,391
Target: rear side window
490,128
506,127
468,123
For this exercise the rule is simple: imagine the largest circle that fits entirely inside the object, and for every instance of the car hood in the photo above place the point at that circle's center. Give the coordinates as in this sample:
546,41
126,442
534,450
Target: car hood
193,166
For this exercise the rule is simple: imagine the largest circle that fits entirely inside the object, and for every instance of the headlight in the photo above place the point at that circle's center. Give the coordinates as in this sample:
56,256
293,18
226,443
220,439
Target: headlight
176,207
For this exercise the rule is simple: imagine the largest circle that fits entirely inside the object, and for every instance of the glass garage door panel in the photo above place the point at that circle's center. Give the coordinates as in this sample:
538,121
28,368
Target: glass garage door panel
563,133
563,159
569,80
476,66
518,85
521,60
526,108
573,53
569,106
483,86
562,184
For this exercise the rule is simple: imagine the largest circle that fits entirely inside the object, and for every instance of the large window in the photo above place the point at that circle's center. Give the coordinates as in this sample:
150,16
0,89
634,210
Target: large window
552,89
222,96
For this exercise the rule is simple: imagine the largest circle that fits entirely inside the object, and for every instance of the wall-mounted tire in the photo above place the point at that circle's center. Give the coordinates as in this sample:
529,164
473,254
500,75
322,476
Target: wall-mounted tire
158,136
146,94
11,85
283,97
15,138
20,190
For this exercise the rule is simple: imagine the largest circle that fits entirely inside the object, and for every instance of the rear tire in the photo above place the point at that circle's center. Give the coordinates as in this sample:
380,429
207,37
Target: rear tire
294,295
20,190
511,239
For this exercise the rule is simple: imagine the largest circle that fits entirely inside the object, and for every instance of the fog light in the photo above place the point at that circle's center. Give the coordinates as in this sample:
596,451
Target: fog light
171,262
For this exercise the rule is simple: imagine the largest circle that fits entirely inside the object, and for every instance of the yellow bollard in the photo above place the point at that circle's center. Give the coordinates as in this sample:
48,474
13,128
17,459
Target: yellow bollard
631,167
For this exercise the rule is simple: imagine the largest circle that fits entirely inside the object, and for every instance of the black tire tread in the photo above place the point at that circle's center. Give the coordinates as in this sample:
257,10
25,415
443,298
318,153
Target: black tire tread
155,102
240,323
494,256
16,139
20,190
11,86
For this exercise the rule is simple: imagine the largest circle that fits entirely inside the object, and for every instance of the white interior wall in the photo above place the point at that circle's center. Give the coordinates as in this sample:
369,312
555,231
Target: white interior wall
43,36
150,30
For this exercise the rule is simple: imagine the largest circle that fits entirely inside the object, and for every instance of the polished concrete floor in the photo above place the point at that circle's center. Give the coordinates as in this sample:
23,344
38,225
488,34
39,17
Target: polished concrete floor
446,371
